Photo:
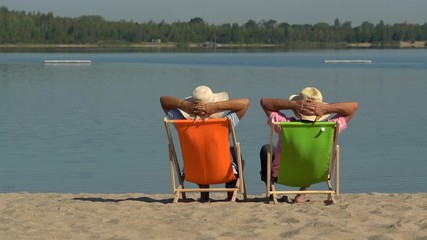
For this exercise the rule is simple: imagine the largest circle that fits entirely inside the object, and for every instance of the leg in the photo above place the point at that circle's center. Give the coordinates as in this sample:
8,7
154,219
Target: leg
299,198
204,196
234,159
231,184
263,160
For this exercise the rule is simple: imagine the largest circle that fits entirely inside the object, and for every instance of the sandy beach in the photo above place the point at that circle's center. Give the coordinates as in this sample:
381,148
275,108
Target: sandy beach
144,216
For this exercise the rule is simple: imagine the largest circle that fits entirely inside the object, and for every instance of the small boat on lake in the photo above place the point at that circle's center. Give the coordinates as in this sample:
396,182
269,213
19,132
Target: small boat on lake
67,61
348,61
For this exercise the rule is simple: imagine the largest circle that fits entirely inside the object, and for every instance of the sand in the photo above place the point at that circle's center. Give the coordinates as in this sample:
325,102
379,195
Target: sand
417,44
143,216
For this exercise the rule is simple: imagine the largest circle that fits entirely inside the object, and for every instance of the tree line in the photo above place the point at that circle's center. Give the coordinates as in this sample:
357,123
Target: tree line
20,27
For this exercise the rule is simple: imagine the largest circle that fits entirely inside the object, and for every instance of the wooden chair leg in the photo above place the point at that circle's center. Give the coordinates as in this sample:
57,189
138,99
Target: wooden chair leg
331,198
273,188
245,195
176,197
233,199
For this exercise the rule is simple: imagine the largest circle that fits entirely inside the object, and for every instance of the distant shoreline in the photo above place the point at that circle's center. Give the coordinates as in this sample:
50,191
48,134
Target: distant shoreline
417,44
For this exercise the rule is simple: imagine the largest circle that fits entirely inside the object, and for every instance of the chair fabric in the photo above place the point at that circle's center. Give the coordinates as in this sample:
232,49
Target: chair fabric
205,156
309,153
199,140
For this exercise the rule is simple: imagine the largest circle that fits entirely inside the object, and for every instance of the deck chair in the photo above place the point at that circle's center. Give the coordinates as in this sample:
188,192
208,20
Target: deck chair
206,157
309,155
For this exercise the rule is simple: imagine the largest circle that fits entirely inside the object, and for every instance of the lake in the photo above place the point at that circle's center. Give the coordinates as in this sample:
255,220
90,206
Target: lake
98,127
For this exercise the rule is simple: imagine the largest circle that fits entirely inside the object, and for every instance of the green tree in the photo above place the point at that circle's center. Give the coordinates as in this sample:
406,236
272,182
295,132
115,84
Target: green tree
23,27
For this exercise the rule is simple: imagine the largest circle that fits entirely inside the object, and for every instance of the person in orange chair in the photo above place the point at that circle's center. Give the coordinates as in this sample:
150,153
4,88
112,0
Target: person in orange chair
204,103
307,106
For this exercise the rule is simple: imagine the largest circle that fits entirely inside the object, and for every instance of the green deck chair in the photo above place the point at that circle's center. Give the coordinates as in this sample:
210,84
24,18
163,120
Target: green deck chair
310,154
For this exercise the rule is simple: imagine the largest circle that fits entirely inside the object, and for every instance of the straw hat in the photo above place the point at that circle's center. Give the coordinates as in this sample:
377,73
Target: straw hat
205,94
313,94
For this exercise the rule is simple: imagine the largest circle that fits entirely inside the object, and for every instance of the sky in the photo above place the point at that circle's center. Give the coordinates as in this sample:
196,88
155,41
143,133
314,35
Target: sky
234,11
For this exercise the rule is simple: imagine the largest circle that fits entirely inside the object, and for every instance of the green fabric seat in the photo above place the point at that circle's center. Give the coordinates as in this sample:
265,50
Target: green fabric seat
306,155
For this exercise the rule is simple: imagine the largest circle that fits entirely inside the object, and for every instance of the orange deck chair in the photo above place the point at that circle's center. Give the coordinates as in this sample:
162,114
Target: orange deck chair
206,157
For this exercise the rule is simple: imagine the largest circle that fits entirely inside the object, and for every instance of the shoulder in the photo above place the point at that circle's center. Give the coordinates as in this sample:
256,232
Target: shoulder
233,116
280,117
175,114
341,120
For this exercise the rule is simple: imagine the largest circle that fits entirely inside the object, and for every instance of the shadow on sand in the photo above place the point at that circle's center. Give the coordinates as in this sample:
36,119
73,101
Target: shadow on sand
145,199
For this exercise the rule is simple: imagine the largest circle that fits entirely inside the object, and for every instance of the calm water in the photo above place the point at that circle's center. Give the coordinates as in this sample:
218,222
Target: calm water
98,128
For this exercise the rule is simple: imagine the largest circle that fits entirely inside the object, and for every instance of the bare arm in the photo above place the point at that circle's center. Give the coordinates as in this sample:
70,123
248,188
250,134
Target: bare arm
344,109
270,105
239,106
169,102
306,107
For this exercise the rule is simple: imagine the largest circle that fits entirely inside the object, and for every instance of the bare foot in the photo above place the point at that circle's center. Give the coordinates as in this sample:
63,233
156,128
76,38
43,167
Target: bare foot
300,198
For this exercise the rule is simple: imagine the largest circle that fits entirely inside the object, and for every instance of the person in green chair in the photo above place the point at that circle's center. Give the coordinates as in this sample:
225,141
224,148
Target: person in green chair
307,106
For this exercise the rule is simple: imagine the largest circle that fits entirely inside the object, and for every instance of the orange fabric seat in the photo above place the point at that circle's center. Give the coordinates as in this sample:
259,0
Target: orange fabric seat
206,156
205,148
